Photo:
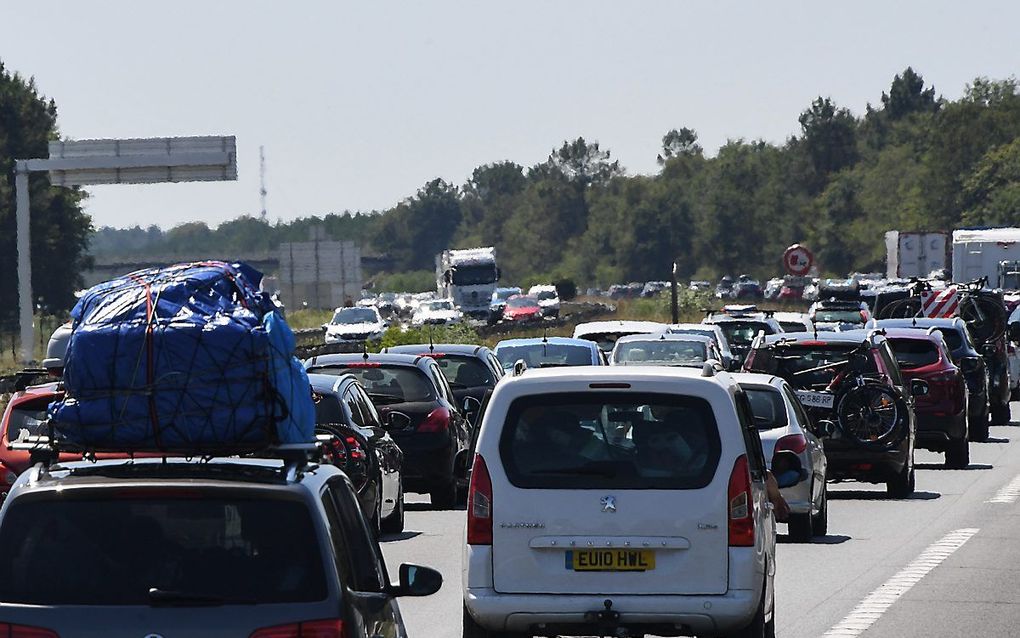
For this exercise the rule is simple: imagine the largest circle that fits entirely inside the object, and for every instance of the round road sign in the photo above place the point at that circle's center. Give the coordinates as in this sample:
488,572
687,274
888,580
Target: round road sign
798,260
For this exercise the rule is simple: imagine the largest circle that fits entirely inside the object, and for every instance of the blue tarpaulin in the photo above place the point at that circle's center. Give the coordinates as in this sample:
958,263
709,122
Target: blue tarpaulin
187,358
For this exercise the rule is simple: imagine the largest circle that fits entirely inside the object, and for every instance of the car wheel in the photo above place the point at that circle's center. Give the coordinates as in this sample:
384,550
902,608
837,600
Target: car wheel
820,521
394,523
958,454
444,496
472,629
801,528
757,628
903,485
1000,414
977,425
1014,394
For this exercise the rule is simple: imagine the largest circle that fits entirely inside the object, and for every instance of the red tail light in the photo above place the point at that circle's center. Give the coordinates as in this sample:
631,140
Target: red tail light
438,420
479,505
795,443
22,631
333,628
741,508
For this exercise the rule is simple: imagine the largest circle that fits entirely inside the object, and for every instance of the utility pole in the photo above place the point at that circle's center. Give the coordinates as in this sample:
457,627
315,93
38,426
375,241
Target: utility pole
673,306
262,181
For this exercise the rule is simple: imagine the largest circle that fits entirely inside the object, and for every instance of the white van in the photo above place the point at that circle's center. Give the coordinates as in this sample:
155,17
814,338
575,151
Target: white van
619,501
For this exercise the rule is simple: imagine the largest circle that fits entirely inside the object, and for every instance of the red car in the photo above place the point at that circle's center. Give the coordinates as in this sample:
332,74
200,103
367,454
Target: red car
942,412
522,308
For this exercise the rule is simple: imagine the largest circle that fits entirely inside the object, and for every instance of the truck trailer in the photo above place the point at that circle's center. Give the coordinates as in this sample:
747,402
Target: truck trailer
991,252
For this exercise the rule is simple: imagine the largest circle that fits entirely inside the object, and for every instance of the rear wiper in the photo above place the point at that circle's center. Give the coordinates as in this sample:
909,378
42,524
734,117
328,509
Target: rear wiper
170,598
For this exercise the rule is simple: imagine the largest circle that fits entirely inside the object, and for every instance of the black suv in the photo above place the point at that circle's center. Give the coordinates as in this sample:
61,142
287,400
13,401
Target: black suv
470,370
968,359
818,366
418,409
253,547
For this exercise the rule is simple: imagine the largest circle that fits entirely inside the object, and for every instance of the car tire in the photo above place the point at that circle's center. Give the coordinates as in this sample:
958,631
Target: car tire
958,454
444,496
801,528
757,628
1000,414
472,629
394,523
977,425
820,521
903,485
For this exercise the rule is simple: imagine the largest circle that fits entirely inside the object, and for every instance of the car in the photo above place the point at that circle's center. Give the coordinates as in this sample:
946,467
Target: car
728,360
618,502
792,290
942,412
1013,353
965,357
437,312
354,440
548,299
834,314
794,321
355,324
469,369
245,546
498,302
522,309
878,447
747,289
726,288
699,285
547,352
772,288
653,288
605,333
742,326
665,350
418,409
785,428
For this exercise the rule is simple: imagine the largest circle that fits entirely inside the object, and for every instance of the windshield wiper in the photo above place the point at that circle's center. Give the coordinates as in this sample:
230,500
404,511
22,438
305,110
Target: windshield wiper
171,598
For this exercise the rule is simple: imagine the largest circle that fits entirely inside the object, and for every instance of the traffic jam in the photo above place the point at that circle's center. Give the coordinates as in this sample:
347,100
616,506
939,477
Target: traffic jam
637,478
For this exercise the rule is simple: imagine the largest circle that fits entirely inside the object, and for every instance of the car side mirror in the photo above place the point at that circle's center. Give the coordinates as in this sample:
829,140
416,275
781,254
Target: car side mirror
471,405
396,420
416,580
325,326
919,388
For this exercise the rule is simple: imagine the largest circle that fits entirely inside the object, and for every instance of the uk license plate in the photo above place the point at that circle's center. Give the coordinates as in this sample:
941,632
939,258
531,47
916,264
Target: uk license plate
815,399
610,560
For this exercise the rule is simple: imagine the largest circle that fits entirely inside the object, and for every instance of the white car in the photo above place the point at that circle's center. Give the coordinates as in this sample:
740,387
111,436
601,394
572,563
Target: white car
548,299
605,333
665,350
728,360
355,324
618,501
784,427
437,312
1013,353
794,321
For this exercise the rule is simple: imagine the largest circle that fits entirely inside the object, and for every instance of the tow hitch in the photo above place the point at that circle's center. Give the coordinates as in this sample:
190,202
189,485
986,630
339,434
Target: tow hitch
607,620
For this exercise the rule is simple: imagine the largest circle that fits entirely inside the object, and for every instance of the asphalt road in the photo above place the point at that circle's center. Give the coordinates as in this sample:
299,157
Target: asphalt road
945,562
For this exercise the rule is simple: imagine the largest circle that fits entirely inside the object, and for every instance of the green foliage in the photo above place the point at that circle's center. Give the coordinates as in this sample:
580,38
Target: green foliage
409,281
396,336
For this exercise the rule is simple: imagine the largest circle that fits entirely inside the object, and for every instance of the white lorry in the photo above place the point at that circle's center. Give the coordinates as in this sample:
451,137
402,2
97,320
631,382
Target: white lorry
991,252
915,254
468,277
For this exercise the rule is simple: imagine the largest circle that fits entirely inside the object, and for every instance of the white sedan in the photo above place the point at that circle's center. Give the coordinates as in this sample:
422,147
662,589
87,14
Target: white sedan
437,312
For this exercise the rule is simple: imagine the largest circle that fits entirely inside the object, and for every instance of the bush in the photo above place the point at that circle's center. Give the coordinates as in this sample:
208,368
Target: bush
395,336
566,289
409,281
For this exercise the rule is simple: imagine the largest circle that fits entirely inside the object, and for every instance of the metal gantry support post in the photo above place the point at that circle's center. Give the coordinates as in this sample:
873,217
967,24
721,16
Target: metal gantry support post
673,306
24,242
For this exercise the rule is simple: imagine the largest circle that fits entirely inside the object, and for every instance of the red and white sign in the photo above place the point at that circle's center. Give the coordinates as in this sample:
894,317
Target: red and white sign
940,303
798,260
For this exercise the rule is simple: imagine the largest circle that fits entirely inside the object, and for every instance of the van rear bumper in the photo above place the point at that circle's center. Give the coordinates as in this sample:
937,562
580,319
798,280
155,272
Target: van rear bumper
539,613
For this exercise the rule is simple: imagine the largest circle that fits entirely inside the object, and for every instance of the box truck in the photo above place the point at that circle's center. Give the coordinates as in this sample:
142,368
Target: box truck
989,252
915,254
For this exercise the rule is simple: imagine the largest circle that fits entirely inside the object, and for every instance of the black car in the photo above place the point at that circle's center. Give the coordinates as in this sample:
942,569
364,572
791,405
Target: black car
470,370
354,440
418,409
967,358
812,364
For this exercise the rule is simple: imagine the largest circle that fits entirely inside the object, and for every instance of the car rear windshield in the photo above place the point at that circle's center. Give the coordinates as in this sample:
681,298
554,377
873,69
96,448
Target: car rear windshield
348,316
388,384
742,333
198,549
811,367
610,440
539,355
793,326
672,352
767,407
28,419
467,372
605,340
838,316
954,341
914,353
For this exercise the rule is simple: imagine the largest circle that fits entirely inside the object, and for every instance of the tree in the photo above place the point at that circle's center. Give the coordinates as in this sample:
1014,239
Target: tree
682,143
420,228
59,228
579,162
907,95
992,192
829,137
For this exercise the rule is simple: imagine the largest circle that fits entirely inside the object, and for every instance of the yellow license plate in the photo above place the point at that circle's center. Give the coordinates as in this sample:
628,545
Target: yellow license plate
610,560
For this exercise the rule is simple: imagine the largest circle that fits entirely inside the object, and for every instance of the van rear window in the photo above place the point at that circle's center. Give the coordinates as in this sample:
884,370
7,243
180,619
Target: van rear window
610,440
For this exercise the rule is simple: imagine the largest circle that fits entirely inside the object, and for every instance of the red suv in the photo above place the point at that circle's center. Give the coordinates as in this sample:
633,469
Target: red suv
942,412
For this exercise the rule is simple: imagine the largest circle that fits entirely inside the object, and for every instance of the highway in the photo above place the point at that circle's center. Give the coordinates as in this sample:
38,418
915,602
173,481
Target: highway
945,562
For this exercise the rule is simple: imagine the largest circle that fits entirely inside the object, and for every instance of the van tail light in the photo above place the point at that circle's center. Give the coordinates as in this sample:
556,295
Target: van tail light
795,443
741,514
332,628
479,505
864,317
23,631
437,420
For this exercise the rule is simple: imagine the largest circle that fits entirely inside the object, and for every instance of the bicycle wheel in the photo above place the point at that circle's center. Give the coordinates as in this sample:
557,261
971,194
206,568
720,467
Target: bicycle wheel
985,317
872,416
901,308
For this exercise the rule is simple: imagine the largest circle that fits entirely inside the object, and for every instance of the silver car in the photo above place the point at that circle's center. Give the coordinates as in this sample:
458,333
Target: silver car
785,429
729,361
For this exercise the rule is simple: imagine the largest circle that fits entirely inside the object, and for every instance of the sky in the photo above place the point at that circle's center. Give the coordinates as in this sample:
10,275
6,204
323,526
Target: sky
360,104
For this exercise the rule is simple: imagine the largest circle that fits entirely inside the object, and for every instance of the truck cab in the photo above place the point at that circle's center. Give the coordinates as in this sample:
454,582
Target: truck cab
468,277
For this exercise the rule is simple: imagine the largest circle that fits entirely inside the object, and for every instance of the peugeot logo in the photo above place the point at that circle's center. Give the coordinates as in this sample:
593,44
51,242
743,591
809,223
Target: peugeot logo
153,636
608,503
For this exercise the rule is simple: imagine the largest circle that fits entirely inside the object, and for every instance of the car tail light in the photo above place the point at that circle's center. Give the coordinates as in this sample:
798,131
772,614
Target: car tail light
864,317
23,631
795,443
437,420
479,505
741,509
363,365
333,628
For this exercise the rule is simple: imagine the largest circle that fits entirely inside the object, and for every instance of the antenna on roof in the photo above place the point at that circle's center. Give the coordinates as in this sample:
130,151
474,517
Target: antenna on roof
364,354
814,327
432,346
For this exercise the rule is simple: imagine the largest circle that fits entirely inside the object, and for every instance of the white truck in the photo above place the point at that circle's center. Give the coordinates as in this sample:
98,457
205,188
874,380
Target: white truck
991,252
915,254
468,277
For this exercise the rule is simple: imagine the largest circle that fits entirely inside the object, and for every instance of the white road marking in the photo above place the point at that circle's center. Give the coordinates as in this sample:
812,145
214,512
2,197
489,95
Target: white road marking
1007,494
871,608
